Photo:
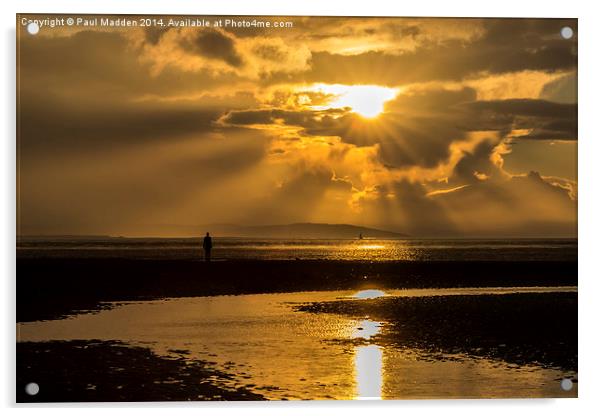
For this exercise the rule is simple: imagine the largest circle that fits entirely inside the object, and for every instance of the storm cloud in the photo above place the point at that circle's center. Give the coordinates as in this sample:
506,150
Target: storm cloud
215,45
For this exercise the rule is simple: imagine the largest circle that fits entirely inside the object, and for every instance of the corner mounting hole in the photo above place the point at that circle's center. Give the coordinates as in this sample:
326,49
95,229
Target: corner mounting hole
566,32
33,28
32,389
566,384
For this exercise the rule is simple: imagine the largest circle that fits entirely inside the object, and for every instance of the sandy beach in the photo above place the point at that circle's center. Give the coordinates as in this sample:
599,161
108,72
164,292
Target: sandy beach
49,288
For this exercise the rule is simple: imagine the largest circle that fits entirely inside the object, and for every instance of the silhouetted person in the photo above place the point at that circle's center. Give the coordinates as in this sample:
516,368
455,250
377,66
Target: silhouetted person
207,245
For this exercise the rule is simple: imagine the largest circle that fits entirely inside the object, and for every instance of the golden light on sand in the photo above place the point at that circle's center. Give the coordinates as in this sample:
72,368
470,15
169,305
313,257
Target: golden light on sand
365,100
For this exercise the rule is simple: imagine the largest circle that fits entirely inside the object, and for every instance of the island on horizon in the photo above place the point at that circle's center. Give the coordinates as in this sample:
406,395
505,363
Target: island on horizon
293,231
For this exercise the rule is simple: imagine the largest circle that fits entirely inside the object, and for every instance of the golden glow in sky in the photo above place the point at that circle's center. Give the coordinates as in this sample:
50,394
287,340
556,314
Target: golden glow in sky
365,100
425,127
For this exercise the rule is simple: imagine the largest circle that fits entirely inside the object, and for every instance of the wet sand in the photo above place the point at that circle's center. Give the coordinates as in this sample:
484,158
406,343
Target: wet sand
102,371
520,328
50,288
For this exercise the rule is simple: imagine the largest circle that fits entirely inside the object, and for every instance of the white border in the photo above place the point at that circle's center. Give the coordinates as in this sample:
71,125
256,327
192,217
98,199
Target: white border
590,204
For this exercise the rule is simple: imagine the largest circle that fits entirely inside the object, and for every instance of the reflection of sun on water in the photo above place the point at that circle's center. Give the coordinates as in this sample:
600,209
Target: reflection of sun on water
368,370
366,329
368,361
369,294
371,247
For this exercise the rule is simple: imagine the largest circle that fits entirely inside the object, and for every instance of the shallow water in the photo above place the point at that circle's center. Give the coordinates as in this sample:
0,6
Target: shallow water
307,249
286,354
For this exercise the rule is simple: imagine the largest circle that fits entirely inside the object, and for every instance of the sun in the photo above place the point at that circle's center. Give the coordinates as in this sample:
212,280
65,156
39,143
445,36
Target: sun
365,100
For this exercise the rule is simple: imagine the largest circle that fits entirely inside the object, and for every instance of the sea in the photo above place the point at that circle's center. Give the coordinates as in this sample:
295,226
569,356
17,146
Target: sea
303,249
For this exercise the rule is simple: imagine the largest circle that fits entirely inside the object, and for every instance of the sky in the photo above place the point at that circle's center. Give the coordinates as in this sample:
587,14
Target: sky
429,127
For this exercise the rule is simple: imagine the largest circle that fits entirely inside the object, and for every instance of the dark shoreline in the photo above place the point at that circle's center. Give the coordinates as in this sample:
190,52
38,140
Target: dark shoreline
111,371
50,288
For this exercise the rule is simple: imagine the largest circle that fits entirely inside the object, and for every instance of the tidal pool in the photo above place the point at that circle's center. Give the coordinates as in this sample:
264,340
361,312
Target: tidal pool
283,353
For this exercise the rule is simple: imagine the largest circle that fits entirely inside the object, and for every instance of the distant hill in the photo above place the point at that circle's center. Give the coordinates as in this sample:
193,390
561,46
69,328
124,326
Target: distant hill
297,230
300,230
66,237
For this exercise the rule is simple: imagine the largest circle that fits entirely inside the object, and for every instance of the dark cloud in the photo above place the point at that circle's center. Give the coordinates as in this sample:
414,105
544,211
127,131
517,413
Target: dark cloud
507,45
50,124
563,130
527,108
428,100
153,34
248,117
215,45
549,120
270,52
478,160
315,122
